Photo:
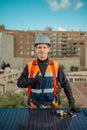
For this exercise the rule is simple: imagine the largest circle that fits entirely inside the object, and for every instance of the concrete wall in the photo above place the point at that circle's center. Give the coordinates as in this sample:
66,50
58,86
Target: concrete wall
86,57
7,51
7,46
68,62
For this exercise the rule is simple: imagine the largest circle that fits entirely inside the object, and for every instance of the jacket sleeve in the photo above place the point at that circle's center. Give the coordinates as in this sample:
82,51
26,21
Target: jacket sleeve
65,85
23,80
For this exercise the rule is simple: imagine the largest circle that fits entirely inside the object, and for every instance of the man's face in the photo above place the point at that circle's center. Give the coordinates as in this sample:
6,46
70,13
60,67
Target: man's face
42,51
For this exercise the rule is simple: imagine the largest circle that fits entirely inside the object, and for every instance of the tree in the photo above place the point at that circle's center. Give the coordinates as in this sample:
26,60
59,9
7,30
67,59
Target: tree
74,68
4,65
13,100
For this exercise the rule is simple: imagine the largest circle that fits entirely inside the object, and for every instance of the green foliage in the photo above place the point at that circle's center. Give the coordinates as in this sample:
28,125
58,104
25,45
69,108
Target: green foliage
4,65
13,100
74,68
19,100
64,102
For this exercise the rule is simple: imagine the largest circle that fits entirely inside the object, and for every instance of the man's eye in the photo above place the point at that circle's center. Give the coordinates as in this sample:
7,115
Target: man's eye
39,47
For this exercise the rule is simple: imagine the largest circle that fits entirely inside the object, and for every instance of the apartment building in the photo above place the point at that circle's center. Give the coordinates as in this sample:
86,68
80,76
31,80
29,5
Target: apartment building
68,47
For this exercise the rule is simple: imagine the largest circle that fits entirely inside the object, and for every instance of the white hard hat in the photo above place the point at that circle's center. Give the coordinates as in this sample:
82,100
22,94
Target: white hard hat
42,39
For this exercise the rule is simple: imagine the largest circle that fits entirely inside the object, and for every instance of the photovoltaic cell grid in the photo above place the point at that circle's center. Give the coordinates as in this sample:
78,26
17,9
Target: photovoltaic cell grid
40,119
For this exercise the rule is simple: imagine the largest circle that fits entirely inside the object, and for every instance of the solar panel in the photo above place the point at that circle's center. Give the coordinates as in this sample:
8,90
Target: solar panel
40,119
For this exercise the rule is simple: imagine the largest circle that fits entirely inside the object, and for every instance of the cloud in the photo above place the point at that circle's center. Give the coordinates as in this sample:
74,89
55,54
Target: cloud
64,4
55,5
61,29
79,5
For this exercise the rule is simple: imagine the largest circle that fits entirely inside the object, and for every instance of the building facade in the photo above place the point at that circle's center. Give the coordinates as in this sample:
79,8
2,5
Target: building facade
7,51
69,47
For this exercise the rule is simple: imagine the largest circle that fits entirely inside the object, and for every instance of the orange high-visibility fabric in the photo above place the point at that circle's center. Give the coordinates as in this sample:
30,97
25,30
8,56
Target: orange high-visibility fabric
54,76
33,69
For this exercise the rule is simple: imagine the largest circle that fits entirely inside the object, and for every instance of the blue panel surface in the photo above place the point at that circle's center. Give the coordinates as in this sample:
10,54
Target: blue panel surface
40,119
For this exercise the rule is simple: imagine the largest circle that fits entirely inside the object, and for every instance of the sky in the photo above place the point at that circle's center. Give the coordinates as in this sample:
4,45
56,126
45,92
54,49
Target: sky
64,15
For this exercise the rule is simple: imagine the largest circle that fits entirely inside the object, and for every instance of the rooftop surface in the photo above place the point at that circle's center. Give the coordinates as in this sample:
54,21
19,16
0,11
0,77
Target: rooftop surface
80,93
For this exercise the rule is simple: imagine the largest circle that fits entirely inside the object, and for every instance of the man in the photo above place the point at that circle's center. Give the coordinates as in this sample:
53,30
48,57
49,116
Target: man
41,77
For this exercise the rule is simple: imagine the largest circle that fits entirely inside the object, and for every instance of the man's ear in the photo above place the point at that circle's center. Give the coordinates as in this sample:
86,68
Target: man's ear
35,48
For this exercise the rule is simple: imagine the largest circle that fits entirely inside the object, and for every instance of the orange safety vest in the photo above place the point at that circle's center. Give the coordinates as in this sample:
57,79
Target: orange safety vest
53,71
54,67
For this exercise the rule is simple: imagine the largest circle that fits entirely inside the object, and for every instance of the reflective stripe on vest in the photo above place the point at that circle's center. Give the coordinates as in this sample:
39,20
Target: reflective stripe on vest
47,90
31,67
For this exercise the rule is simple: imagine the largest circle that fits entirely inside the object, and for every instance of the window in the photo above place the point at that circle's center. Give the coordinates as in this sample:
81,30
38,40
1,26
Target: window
21,42
32,53
21,53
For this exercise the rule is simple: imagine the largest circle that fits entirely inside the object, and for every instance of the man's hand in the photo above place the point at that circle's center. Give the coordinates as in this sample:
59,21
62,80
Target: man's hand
74,108
36,79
